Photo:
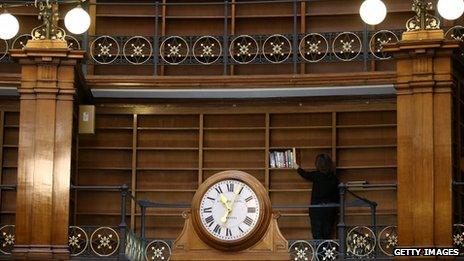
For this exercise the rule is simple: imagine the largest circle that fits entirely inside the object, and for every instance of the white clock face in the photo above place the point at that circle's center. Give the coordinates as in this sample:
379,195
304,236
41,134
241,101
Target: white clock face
229,210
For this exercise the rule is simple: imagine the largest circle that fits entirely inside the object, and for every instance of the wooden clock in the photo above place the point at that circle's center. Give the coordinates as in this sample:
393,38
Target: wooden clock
231,219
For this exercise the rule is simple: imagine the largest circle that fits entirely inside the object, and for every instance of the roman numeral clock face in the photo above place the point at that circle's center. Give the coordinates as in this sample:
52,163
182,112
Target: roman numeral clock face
229,210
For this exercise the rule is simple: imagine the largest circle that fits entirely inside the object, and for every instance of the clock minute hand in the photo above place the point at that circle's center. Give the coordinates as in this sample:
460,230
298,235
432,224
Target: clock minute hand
228,208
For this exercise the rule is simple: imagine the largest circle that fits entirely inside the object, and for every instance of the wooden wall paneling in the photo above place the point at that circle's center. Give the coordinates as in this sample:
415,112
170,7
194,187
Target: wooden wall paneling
134,170
233,17
163,28
334,138
92,29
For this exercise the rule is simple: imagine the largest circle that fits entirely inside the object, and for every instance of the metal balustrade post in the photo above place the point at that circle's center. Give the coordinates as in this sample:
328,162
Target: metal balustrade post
156,40
295,37
123,225
365,47
225,40
341,224
374,221
142,222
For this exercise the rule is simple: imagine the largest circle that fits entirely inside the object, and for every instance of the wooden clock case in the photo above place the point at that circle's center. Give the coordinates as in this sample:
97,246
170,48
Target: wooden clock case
264,242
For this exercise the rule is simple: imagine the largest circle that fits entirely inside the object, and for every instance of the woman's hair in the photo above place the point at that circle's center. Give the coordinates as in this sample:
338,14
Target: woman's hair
324,163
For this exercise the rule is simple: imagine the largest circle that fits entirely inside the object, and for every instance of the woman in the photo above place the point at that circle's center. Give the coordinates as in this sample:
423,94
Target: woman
325,191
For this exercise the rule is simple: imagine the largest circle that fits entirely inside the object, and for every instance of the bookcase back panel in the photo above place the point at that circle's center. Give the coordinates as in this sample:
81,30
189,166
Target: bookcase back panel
259,174
295,226
99,202
366,136
107,138
376,157
167,138
287,179
109,121
90,177
301,119
233,159
167,179
11,136
290,198
234,120
11,118
301,137
383,175
168,121
162,227
98,220
366,118
158,159
108,159
9,201
166,197
9,176
307,157
10,155
234,138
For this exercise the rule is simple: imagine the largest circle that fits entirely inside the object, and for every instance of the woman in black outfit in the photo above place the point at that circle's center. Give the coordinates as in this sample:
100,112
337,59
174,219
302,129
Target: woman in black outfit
325,191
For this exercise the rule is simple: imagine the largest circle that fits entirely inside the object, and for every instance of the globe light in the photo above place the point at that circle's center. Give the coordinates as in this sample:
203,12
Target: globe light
373,12
77,20
9,26
450,9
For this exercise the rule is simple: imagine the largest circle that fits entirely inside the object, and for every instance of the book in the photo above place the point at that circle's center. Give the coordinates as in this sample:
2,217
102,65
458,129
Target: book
282,159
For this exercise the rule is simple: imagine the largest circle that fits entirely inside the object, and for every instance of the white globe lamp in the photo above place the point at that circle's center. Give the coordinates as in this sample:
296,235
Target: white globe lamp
373,12
9,26
450,9
77,20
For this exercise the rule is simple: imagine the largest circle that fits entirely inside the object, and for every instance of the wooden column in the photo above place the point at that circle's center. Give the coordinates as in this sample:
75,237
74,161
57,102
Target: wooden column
424,154
44,154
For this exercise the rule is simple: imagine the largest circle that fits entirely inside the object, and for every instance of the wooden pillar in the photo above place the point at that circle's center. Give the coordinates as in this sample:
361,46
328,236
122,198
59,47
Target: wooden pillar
424,153
44,154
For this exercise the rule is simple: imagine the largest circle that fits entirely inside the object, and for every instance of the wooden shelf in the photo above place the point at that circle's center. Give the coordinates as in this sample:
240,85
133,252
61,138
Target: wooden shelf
168,128
10,146
301,128
300,147
166,190
142,169
166,148
105,148
367,167
11,126
367,126
113,128
234,128
367,146
235,148
237,168
104,168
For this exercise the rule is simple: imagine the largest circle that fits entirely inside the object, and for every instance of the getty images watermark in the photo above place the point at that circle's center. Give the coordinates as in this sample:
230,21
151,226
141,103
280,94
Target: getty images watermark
426,251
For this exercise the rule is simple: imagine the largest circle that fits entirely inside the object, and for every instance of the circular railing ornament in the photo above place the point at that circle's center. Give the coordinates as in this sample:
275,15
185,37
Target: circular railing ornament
313,47
104,49
7,239
3,48
346,46
379,40
104,241
458,238
77,240
360,241
21,41
327,250
301,251
207,50
174,50
243,49
158,250
137,50
73,43
455,33
277,48
388,240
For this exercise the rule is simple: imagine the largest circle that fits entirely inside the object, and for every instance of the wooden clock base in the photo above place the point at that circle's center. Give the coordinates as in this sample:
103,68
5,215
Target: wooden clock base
188,246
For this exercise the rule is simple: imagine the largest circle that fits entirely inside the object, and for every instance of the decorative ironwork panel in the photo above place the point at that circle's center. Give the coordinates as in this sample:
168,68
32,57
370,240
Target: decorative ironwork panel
455,33
327,250
137,50
158,250
104,241
458,237
347,46
388,240
314,47
360,241
174,50
3,48
7,239
104,49
207,50
277,48
379,40
77,240
21,41
301,251
243,49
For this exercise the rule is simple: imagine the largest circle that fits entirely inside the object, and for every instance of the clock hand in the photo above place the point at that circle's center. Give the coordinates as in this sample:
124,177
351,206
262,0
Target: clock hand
224,218
229,209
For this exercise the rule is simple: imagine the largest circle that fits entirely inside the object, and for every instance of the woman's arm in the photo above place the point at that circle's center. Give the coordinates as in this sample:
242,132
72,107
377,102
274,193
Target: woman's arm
305,174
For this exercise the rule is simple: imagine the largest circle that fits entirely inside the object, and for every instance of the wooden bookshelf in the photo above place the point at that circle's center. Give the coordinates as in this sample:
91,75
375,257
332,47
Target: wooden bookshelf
163,157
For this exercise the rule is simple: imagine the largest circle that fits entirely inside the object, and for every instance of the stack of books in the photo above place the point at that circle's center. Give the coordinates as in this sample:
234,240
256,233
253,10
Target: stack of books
281,159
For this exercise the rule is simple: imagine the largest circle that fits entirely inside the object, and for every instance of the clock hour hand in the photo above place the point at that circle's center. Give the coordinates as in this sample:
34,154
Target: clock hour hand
226,205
